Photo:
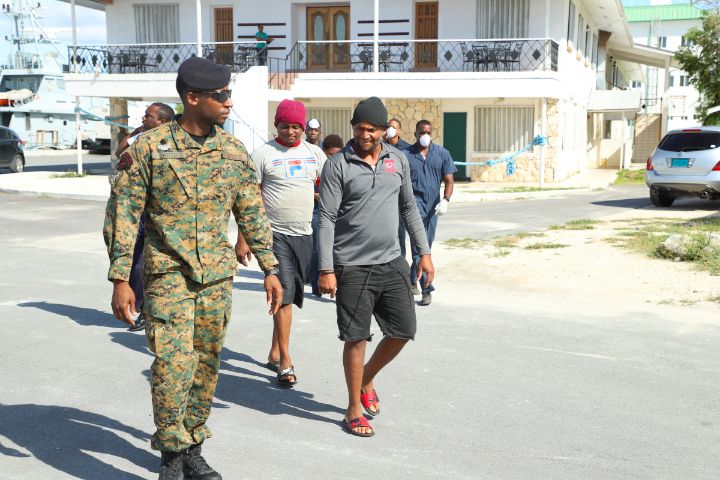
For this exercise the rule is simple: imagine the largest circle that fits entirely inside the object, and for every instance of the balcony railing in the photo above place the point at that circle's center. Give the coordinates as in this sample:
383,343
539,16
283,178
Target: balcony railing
474,55
159,57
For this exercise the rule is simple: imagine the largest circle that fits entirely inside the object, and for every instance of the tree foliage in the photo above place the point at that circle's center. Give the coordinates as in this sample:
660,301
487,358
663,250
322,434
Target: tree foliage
701,60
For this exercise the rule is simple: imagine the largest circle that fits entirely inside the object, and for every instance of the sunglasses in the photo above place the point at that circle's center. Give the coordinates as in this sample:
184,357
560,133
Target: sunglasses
221,97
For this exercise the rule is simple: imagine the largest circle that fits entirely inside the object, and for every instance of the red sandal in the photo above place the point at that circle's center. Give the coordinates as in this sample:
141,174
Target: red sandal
370,399
351,425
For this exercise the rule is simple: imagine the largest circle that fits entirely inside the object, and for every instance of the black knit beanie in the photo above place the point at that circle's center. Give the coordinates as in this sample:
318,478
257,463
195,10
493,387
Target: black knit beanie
370,110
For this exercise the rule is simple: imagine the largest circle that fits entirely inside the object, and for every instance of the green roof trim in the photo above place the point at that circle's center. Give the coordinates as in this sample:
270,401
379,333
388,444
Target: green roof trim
662,13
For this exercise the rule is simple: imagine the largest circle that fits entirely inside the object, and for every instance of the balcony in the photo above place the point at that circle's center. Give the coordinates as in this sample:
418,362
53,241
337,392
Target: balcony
474,55
158,57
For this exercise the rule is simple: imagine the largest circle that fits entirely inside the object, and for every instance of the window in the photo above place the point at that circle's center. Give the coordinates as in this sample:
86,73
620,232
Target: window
672,81
588,42
581,34
690,141
684,81
571,24
636,84
157,23
502,18
595,50
662,42
333,120
685,42
503,129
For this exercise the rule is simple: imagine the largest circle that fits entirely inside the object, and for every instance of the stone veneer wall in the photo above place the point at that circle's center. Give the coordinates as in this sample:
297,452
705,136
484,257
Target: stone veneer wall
409,112
527,165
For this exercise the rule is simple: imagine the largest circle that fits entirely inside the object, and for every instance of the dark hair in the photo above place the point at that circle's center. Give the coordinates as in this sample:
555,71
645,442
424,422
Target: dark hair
332,141
165,111
396,120
421,123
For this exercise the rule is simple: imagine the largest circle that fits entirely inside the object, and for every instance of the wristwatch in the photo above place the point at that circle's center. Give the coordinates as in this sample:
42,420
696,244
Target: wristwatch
447,198
272,271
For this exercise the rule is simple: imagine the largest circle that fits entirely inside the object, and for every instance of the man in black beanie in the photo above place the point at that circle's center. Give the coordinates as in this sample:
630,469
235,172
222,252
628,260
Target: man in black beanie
186,175
369,182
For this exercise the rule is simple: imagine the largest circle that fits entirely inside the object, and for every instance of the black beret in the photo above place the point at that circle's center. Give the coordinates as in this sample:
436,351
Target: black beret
370,110
202,75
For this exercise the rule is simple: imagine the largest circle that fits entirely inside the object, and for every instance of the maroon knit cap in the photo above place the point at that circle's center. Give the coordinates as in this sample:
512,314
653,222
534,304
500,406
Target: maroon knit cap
290,111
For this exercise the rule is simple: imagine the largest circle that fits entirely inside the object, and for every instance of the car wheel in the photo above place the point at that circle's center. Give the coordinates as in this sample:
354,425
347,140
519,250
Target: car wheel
660,198
17,164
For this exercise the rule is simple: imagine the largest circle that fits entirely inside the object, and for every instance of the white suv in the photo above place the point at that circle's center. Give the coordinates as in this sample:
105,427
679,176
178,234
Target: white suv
685,163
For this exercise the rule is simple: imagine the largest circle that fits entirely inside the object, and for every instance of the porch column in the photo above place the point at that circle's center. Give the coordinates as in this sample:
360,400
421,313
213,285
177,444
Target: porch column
78,139
543,132
198,24
623,163
118,108
376,34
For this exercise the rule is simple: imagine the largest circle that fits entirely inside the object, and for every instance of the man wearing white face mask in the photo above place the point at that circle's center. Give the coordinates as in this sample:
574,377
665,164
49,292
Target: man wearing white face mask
392,135
430,165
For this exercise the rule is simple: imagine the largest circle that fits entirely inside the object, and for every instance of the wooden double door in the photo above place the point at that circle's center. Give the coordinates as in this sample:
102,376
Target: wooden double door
328,23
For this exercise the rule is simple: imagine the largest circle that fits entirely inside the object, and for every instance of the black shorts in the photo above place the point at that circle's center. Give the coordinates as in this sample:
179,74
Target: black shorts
381,290
293,253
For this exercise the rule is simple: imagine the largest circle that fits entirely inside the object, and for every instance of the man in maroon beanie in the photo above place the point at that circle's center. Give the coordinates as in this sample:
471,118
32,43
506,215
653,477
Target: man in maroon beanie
287,168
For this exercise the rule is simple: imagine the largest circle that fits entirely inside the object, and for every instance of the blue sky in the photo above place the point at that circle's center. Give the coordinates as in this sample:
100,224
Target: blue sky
58,24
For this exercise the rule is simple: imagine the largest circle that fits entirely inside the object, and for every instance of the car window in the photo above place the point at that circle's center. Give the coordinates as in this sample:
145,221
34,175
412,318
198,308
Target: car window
690,141
4,134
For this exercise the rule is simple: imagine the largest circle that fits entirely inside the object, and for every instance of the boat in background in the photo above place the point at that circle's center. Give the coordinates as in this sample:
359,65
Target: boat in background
33,101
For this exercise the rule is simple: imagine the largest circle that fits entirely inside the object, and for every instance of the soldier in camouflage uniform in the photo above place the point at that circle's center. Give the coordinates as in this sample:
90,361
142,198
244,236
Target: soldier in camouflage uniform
187,175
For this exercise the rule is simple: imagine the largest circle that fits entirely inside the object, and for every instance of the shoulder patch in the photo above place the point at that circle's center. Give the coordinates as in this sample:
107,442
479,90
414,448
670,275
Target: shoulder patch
125,161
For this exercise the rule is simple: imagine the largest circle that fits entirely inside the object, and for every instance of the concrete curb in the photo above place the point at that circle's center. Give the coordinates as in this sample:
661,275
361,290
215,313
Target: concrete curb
74,196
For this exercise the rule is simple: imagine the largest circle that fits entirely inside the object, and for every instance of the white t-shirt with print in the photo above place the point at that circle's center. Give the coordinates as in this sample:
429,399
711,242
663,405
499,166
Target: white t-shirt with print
287,177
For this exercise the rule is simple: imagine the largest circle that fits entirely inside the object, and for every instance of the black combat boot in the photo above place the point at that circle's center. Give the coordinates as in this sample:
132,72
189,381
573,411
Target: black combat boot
195,467
171,465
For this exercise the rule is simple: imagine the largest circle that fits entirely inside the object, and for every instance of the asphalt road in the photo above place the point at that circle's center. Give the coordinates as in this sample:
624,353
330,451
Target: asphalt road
491,392
490,219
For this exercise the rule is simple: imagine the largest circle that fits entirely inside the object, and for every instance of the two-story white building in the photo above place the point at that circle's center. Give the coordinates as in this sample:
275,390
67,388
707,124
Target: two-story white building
668,100
490,74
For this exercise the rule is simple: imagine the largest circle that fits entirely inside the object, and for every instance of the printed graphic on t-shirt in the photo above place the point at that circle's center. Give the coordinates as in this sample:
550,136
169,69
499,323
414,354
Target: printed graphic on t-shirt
296,168
390,166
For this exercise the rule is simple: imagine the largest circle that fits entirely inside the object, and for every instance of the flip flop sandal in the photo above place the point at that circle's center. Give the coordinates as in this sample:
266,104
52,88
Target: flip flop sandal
358,422
273,366
370,399
283,377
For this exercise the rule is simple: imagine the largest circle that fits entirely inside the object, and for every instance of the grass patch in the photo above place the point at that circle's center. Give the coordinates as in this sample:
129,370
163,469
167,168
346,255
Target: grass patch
630,177
649,236
511,240
543,246
501,252
582,224
68,174
713,298
463,242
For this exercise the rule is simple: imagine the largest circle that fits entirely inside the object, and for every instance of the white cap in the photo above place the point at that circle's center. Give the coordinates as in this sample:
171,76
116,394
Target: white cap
313,123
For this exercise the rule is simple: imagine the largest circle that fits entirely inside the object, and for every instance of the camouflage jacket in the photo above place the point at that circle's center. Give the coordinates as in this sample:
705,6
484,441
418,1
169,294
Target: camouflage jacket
187,192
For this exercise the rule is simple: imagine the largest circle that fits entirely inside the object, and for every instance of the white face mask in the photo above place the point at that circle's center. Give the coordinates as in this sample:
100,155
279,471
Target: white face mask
390,132
425,140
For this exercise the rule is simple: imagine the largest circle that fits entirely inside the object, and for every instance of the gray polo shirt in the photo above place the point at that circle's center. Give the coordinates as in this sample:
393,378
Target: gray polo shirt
361,207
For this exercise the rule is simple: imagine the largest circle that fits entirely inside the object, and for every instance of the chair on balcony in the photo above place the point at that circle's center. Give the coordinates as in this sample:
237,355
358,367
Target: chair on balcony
510,55
484,56
365,59
468,57
386,61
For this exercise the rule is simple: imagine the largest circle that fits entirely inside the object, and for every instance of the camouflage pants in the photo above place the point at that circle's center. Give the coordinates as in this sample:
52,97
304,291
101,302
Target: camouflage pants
186,325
